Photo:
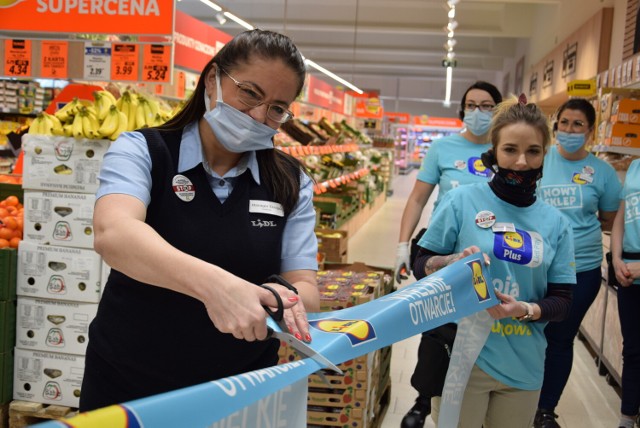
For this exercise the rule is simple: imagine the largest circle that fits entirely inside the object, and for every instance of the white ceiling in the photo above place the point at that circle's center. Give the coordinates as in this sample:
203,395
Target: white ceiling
395,46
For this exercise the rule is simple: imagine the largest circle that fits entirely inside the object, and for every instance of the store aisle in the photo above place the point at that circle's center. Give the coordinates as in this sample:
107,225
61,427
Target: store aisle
588,401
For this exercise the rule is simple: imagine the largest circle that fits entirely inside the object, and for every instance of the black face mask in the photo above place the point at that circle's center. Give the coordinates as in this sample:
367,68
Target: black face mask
515,187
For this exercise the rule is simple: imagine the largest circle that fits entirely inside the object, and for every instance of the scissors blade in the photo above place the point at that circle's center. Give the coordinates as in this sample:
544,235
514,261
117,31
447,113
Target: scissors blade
306,350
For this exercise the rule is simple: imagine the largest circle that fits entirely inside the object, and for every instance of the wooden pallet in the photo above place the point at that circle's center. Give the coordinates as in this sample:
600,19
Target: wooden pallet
24,413
382,406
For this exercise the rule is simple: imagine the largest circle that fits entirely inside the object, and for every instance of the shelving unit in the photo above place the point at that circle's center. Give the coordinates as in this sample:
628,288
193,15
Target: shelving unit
633,151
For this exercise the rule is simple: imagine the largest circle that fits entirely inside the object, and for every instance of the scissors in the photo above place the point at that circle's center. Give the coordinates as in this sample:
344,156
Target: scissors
278,318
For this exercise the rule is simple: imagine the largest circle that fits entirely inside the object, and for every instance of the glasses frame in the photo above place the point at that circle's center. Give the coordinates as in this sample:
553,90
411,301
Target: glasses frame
482,107
239,85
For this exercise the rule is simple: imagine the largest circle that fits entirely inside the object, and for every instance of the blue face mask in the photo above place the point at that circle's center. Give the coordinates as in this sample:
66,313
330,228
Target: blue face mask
236,131
571,143
477,122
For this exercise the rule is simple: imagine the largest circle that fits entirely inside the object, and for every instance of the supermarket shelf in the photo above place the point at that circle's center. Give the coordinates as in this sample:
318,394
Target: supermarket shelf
634,151
301,151
322,187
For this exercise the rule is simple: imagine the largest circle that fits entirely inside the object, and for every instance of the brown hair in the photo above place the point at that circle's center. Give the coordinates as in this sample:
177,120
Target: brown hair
512,111
281,172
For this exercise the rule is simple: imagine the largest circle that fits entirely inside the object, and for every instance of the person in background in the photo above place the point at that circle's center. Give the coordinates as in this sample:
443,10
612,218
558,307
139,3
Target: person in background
179,218
625,255
585,189
531,263
450,162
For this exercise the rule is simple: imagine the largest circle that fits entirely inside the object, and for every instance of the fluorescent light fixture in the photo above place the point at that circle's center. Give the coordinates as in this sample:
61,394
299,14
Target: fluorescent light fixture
450,43
451,55
234,18
452,3
452,25
450,34
221,19
452,12
333,76
447,93
212,5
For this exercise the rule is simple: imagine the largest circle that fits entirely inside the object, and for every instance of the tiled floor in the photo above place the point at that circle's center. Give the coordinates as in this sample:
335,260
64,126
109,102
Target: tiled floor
588,401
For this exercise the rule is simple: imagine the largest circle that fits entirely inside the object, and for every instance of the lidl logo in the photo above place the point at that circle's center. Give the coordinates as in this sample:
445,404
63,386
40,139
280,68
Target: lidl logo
108,417
476,167
357,331
477,279
578,179
515,247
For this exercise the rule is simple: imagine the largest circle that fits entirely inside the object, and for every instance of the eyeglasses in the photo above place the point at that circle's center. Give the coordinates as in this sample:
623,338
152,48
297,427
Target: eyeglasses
482,107
566,123
248,95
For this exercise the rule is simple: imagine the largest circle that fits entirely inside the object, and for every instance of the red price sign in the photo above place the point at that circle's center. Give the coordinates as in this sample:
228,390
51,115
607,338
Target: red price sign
124,62
156,64
17,58
54,59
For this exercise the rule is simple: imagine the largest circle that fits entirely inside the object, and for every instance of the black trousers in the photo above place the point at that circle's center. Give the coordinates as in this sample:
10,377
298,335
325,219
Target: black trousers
434,354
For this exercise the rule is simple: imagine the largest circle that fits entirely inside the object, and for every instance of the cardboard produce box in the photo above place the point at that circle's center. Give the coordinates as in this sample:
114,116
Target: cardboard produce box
336,417
55,272
622,135
48,377
63,164
56,218
333,243
54,325
348,397
626,111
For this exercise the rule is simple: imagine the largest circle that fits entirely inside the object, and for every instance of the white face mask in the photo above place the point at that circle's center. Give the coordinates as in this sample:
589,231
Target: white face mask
236,131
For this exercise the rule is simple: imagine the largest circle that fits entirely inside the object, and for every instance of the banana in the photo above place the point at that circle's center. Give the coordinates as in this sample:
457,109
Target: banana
94,125
46,125
66,113
110,123
56,128
68,129
149,117
153,106
76,129
141,121
122,126
109,96
103,101
34,127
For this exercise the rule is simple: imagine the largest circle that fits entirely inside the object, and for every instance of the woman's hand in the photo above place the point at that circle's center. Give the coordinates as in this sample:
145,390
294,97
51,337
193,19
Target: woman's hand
625,271
236,308
508,307
295,316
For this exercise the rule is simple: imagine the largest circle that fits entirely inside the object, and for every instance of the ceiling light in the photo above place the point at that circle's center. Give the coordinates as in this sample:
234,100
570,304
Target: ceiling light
452,3
234,18
333,76
447,95
450,34
452,12
451,54
452,25
212,5
450,43
221,19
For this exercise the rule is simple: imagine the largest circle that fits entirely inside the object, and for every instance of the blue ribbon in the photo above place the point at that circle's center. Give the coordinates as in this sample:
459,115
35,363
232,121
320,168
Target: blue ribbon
450,294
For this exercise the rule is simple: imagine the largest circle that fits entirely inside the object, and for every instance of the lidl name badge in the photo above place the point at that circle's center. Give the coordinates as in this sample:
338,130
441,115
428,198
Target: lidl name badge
183,188
266,207
485,219
503,227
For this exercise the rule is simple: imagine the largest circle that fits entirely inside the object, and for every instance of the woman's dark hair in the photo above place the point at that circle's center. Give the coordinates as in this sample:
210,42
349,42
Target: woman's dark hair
579,104
483,86
512,111
280,171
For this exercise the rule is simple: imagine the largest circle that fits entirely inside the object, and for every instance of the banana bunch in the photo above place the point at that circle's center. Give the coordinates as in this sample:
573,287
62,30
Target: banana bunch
128,104
68,111
115,123
103,100
85,124
46,124
147,112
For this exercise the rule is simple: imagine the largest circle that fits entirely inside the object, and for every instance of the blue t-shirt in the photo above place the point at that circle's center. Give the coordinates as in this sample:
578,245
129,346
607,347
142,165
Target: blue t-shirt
523,262
579,189
631,196
451,162
126,169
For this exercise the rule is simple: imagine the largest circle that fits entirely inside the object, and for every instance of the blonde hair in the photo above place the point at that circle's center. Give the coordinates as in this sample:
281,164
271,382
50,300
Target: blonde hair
513,111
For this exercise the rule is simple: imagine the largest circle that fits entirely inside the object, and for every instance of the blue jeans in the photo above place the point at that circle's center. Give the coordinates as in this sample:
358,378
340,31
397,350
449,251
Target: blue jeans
628,310
560,336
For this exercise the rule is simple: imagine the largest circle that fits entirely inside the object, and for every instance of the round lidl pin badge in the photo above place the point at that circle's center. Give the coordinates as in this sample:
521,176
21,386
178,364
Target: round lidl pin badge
485,219
183,188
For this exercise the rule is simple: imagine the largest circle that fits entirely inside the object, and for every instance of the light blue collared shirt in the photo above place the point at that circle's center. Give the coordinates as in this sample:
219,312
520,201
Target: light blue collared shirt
126,169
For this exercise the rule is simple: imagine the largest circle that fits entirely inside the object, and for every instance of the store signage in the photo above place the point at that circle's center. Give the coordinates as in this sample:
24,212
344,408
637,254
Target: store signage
196,42
17,58
54,59
97,61
395,117
324,95
581,88
156,63
124,62
368,106
88,16
437,122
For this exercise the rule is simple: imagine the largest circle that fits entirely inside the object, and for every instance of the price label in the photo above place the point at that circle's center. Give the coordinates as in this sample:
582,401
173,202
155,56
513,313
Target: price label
124,62
97,61
17,58
54,59
156,64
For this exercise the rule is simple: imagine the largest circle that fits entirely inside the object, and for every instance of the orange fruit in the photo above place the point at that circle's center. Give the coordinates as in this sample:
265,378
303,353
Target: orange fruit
3,212
12,200
10,222
6,233
4,243
14,242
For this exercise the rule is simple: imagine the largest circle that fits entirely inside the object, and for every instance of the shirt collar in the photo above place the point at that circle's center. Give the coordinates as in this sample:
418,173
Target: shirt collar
191,155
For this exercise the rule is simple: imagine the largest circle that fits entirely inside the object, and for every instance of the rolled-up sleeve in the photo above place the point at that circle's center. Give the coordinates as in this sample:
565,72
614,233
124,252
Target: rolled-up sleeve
299,243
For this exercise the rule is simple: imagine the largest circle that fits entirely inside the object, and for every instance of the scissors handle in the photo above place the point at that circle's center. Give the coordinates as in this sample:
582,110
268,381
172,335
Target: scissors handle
278,314
280,280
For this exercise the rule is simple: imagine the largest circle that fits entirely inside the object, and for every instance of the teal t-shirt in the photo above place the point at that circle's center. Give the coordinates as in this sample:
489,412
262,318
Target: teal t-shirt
631,196
451,162
523,262
579,189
